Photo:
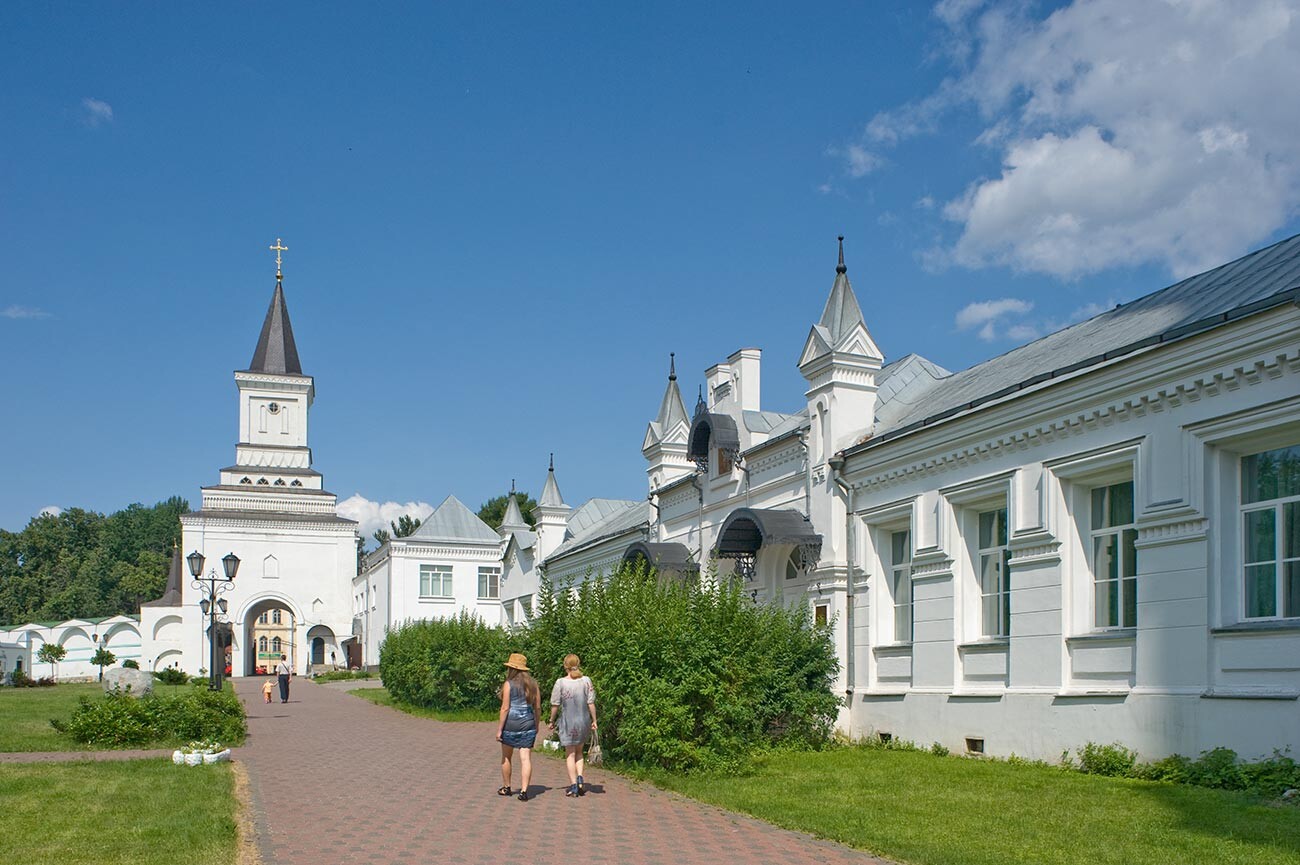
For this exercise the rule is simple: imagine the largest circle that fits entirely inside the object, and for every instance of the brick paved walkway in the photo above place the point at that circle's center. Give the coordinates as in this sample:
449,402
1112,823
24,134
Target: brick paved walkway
336,779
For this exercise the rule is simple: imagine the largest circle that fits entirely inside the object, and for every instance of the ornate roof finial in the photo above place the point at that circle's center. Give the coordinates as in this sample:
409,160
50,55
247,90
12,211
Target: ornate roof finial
551,468
512,486
672,366
277,249
840,268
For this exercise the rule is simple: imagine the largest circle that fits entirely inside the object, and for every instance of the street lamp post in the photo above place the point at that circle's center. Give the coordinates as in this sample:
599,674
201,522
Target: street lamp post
212,586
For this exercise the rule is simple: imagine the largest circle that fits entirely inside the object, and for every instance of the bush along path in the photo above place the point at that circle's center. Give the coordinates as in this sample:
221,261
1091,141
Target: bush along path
399,788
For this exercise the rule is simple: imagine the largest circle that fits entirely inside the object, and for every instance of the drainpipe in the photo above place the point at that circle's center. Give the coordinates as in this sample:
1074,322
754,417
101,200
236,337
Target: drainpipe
836,464
807,475
699,522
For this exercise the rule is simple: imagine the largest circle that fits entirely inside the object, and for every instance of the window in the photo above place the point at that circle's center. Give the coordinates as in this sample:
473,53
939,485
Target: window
994,564
435,581
900,584
261,644
1114,556
724,462
1270,521
276,644
261,620
275,617
793,566
489,583
821,615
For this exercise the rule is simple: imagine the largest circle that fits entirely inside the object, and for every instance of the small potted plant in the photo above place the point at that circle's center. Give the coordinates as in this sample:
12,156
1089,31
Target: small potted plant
201,752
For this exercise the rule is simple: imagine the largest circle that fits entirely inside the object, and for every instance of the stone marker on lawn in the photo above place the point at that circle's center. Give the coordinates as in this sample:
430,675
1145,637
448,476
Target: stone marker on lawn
137,683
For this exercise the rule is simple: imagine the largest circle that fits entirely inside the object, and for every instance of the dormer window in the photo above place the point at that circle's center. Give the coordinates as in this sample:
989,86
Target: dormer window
246,480
296,484
279,482
714,432
263,482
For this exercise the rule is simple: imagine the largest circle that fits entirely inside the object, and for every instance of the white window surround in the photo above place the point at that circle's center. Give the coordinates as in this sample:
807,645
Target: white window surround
879,526
961,530
435,582
1226,440
1070,517
1271,553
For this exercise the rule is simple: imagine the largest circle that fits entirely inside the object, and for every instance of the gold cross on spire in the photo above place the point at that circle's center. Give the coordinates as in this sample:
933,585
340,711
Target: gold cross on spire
277,249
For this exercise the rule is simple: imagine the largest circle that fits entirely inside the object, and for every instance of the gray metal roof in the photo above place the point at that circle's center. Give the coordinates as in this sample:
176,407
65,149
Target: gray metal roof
661,557
672,409
764,421
593,512
632,516
712,430
452,522
746,529
1261,279
287,516
551,497
514,518
276,351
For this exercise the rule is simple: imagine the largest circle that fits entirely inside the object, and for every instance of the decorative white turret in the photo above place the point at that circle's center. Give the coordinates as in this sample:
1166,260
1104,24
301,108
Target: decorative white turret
513,521
664,446
840,361
552,516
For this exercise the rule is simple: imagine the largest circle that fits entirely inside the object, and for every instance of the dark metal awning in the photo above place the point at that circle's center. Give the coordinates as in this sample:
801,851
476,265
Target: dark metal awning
712,430
746,529
661,557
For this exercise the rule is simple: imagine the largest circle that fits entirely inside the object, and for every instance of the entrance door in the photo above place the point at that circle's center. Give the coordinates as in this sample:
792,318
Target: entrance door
318,650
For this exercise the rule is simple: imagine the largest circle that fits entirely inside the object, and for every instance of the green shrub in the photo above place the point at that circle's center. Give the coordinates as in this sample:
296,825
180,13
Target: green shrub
446,664
119,720
171,676
341,675
131,664
689,675
1112,760
19,679
939,750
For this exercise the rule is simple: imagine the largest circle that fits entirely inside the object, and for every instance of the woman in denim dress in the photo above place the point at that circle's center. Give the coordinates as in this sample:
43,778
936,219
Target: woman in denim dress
519,722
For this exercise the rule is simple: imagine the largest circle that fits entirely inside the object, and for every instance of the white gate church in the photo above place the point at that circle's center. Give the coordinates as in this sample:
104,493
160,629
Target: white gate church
297,555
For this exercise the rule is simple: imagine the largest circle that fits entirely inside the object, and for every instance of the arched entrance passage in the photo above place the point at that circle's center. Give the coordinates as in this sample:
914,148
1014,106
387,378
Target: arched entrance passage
270,630
321,643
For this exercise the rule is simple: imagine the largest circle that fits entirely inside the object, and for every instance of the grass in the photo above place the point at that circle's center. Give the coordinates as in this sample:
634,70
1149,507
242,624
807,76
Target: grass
137,812
25,715
928,810
341,676
381,697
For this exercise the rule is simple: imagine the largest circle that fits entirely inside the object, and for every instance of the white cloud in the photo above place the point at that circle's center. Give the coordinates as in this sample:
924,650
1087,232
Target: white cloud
983,312
15,311
96,112
1128,132
50,511
372,516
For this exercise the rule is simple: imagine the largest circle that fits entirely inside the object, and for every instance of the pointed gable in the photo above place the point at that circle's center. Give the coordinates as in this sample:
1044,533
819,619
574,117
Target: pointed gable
672,409
276,351
551,497
452,522
172,594
841,327
514,518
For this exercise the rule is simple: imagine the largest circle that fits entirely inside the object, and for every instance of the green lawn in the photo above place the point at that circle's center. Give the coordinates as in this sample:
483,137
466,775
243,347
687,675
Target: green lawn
25,715
381,697
139,812
927,810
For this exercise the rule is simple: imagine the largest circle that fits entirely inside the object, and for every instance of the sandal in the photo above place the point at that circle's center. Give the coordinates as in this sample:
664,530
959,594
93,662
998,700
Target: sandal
582,787
571,790
503,791
523,796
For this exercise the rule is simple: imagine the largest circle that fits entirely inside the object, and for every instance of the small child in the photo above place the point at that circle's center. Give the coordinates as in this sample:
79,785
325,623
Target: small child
267,687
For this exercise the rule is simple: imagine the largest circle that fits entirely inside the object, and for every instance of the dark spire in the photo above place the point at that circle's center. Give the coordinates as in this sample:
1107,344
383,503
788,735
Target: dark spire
512,486
276,351
551,468
840,268
172,594
700,406
672,366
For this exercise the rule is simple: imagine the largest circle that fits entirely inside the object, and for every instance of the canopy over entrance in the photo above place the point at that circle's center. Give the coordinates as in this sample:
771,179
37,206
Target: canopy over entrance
746,530
664,558
712,430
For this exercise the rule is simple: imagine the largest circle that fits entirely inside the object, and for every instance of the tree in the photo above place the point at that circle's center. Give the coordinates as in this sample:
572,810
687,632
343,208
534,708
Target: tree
493,511
103,658
404,527
51,653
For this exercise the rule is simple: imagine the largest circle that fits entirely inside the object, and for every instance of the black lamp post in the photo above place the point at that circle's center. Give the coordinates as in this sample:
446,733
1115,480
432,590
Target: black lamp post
213,585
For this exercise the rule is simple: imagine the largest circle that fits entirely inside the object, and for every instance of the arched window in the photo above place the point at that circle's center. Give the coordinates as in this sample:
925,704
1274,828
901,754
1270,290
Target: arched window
793,566
261,620
275,644
275,617
261,644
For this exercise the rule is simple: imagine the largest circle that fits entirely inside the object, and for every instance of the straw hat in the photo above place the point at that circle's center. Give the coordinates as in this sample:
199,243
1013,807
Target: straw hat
518,662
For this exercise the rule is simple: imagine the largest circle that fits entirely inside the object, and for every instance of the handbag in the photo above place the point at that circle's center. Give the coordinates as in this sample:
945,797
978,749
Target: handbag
594,755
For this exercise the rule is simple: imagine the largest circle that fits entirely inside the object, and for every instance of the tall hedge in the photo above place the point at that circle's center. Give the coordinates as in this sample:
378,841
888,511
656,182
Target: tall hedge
689,675
446,663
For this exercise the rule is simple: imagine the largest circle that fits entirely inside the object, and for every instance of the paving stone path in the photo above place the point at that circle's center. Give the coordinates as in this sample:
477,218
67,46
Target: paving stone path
336,779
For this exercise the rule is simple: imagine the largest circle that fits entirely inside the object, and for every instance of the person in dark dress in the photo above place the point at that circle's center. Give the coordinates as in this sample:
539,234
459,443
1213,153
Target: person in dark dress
282,673
519,722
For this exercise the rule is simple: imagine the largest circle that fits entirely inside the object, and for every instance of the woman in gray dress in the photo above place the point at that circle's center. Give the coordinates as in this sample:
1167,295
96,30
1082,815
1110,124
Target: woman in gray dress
574,698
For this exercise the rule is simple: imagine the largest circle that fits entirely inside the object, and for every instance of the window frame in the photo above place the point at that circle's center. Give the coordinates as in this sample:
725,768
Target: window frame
1278,507
489,571
900,574
444,573
1125,535
1001,553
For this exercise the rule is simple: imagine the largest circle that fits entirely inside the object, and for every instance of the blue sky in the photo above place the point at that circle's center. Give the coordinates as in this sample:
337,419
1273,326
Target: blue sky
503,217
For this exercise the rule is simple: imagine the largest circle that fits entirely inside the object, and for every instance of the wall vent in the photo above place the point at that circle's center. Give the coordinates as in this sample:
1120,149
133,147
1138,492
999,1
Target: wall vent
885,738
974,745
